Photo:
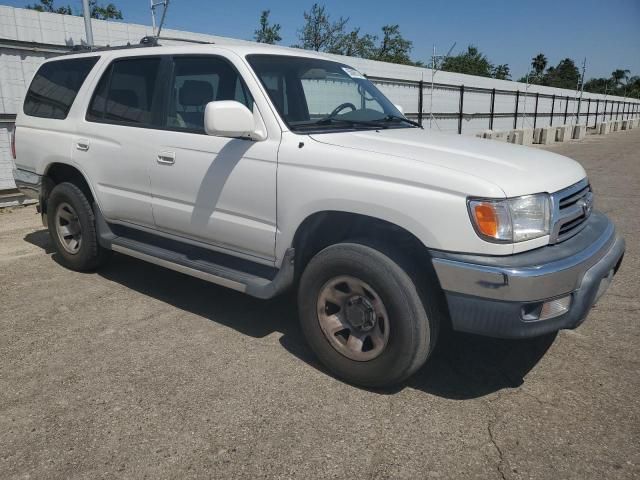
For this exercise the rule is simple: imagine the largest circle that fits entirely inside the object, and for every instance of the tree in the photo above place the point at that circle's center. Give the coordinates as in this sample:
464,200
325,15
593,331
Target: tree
353,44
564,75
471,62
48,6
619,75
104,12
319,33
539,63
98,11
502,72
393,48
267,33
598,85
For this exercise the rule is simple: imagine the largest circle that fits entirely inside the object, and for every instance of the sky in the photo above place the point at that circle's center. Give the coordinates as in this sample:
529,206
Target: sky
606,32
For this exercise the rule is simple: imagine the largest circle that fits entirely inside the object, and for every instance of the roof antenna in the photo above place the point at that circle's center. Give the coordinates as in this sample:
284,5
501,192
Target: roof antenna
154,5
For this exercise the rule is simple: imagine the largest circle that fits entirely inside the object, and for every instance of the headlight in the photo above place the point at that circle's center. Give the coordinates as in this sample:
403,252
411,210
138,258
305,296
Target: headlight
513,219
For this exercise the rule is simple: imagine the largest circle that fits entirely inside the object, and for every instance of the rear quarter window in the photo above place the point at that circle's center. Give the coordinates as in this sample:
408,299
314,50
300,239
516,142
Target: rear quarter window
55,86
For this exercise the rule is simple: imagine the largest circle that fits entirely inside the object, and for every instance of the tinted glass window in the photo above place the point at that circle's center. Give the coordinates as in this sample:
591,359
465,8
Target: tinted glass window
198,81
55,86
126,92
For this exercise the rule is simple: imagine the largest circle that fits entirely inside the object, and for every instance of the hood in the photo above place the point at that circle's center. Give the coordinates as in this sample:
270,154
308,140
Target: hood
517,170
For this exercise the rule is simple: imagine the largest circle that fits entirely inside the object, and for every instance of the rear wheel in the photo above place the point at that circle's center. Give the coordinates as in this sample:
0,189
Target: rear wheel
72,228
366,318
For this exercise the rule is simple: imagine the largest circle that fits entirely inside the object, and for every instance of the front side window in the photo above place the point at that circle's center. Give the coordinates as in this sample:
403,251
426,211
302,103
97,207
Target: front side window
316,95
197,81
55,86
126,92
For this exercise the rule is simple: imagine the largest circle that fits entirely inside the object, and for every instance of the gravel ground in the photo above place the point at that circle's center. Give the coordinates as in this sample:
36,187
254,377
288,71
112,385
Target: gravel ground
140,372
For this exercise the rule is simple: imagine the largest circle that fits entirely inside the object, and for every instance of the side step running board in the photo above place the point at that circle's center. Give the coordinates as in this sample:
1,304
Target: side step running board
246,282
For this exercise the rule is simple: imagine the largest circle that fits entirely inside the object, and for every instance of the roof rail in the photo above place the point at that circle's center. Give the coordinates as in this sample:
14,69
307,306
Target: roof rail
148,41
153,41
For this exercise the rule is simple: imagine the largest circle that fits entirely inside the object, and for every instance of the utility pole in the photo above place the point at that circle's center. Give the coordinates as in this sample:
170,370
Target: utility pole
435,59
581,85
87,22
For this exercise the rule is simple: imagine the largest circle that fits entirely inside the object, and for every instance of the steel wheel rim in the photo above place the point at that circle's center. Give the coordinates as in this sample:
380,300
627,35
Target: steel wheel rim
353,318
68,228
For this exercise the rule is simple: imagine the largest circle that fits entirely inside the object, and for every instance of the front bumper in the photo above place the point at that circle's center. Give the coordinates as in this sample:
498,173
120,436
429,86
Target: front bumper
29,183
495,296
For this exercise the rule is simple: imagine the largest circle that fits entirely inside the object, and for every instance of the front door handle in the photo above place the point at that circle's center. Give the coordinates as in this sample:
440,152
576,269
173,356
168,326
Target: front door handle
82,144
167,158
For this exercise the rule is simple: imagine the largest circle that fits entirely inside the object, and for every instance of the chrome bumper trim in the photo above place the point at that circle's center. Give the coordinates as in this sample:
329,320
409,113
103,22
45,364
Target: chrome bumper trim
29,183
527,281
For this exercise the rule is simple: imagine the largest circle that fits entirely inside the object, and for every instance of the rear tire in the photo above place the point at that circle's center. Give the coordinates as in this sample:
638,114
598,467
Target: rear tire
353,290
72,227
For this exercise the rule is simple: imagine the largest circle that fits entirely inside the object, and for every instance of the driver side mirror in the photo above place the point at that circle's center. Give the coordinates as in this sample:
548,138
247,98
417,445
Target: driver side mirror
228,118
399,107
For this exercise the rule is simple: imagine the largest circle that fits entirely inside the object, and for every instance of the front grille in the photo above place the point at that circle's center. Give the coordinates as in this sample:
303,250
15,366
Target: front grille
571,208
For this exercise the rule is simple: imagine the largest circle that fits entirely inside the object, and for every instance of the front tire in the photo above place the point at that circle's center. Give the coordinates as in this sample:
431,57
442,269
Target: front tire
72,228
367,320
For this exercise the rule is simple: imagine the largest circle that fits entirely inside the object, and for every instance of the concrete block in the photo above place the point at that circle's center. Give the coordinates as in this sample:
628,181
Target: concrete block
515,136
521,136
625,125
563,133
579,132
602,128
615,126
498,135
544,135
527,136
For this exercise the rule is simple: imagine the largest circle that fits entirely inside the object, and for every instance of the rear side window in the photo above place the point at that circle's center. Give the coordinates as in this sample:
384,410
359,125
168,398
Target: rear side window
126,92
55,86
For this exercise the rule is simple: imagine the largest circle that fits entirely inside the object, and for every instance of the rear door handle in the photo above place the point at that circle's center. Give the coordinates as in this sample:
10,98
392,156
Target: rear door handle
82,144
167,158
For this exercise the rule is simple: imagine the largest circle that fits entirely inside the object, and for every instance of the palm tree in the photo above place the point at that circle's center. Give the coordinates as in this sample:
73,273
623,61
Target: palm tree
619,75
539,63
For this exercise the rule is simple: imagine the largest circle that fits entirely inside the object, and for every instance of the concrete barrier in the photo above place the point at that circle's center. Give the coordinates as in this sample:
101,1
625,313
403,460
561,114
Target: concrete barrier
625,125
563,133
615,126
544,135
602,128
579,132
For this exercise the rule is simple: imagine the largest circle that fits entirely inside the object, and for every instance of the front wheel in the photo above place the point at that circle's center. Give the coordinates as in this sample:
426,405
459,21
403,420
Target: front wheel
364,316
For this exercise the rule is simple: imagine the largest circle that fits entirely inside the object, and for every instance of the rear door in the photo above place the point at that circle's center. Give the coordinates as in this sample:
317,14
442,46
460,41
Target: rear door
113,141
219,191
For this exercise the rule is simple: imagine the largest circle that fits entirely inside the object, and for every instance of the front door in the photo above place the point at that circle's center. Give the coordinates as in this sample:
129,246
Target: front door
219,191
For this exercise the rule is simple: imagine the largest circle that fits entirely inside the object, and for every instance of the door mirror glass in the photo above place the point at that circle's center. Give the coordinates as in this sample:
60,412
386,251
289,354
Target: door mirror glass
228,118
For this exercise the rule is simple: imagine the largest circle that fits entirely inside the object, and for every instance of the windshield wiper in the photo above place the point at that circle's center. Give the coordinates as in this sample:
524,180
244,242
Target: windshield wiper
364,123
390,118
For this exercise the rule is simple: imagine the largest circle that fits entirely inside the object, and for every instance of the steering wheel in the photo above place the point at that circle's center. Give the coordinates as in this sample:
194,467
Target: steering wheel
341,107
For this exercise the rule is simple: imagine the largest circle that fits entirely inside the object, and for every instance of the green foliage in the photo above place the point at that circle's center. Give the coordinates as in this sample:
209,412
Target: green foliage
471,62
564,75
267,33
98,11
502,72
48,6
319,33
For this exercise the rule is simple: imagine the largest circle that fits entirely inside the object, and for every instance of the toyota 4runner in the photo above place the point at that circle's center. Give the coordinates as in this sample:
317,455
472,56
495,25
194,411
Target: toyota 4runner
263,169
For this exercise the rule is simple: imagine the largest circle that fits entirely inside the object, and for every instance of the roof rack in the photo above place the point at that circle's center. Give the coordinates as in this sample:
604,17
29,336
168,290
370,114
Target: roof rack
153,41
148,41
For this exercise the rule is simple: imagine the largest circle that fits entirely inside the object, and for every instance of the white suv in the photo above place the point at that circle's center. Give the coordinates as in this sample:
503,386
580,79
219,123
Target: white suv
262,168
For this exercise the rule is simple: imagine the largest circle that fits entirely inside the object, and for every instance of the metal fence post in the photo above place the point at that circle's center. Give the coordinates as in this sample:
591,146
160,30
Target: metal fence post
566,109
493,104
595,122
611,113
586,123
515,113
420,100
461,109
535,111
617,109
553,105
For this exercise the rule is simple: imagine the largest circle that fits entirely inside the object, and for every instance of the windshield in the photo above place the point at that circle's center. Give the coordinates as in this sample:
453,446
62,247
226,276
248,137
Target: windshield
319,95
